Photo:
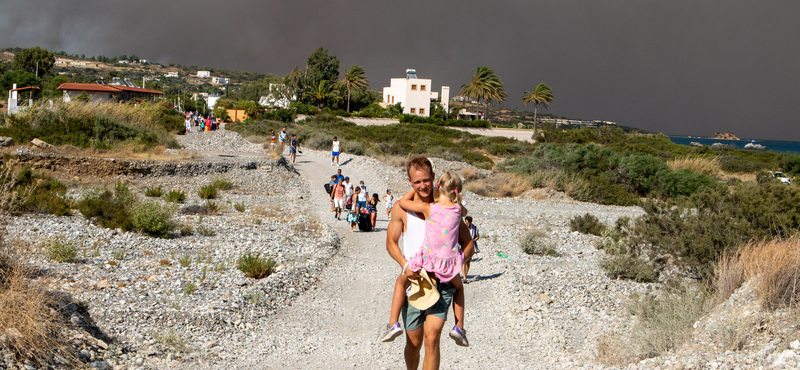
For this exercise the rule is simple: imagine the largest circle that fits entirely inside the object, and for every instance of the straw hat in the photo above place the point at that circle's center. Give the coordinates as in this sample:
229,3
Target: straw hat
423,293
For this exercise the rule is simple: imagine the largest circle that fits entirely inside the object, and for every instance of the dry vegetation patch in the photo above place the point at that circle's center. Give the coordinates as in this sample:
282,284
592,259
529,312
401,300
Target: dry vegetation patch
704,165
496,185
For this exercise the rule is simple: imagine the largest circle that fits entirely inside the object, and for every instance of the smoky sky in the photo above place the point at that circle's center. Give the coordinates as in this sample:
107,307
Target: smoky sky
677,67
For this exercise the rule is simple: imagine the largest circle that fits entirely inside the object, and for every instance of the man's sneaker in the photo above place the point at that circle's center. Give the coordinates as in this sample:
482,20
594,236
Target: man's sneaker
392,332
460,336
331,163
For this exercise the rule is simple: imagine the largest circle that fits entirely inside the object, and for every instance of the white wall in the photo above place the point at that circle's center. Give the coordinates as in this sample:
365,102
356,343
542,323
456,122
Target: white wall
400,91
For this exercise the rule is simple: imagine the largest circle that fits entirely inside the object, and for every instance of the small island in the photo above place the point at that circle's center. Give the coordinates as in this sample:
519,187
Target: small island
725,136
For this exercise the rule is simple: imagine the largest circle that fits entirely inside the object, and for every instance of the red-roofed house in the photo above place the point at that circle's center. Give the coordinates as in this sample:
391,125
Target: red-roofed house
104,93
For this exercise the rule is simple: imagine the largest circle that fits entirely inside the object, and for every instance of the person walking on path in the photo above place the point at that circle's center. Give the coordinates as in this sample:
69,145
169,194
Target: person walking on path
348,186
293,149
188,124
473,232
337,195
362,195
372,208
352,216
423,328
335,150
282,138
389,199
272,139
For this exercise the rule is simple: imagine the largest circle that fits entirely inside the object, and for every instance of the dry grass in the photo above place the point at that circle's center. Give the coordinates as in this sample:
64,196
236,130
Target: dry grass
471,174
393,160
258,139
498,185
570,184
142,115
704,165
610,350
774,264
269,210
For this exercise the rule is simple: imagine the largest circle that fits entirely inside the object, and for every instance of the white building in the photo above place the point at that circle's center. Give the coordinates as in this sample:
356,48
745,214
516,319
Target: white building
220,80
414,94
14,98
203,74
171,75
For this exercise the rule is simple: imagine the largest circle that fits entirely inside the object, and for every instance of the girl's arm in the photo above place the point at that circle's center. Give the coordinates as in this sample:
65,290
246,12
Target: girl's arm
407,204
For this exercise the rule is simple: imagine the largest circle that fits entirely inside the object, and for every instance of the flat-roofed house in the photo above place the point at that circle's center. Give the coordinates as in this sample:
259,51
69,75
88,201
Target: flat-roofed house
414,94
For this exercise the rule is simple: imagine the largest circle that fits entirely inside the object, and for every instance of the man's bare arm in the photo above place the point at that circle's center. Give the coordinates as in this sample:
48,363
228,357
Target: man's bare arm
393,232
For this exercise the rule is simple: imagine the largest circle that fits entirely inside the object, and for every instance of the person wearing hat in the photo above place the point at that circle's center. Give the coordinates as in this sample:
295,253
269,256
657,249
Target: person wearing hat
335,150
420,324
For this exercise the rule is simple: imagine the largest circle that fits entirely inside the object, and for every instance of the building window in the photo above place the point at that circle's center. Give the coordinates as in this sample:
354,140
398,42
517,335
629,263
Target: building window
414,87
422,111
392,99
422,87
413,110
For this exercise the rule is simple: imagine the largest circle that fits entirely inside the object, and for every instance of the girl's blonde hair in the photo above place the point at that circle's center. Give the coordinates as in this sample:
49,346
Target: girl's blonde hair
449,184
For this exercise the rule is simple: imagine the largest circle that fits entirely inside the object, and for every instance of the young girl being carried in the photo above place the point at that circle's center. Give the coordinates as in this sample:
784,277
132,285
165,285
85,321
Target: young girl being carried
439,254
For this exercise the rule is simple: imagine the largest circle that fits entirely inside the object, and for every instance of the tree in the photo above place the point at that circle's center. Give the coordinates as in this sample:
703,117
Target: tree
320,67
486,86
353,79
322,93
21,78
540,96
28,59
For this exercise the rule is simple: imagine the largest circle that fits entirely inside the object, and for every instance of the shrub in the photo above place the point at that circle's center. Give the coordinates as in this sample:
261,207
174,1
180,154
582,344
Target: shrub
155,192
212,207
254,266
207,192
185,261
205,231
239,206
189,288
194,209
186,229
499,185
153,218
533,243
175,196
628,266
587,224
110,210
39,193
221,183
119,254
61,250
164,262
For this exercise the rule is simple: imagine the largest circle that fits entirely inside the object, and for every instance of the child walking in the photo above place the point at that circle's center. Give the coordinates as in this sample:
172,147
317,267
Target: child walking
439,255
389,199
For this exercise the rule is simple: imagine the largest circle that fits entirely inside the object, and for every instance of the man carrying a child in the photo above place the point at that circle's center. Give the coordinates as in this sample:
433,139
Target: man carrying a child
421,327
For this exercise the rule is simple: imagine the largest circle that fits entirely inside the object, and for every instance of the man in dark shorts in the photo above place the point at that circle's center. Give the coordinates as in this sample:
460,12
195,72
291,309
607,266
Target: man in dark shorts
293,149
422,327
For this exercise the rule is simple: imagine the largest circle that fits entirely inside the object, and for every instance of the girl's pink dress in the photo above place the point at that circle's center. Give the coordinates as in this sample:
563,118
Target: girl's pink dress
440,253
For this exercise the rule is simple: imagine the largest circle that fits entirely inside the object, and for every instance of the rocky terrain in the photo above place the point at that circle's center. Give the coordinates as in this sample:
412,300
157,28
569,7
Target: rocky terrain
181,303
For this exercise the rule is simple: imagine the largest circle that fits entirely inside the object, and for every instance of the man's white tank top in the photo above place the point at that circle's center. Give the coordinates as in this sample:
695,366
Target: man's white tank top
336,145
414,235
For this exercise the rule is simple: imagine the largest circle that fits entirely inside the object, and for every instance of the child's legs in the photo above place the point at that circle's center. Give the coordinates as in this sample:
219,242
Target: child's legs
458,300
398,298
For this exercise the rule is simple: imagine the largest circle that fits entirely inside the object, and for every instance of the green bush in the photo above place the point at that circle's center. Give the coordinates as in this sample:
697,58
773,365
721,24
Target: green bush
207,192
186,229
587,224
239,206
175,196
697,230
221,183
155,192
205,231
61,250
628,266
153,219
734,164
254,266
189,288
533,243
109,209
44,194
212,207
281,114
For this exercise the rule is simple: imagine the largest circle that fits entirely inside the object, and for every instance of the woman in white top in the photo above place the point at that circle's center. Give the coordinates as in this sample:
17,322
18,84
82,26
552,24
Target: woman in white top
389,199
335,151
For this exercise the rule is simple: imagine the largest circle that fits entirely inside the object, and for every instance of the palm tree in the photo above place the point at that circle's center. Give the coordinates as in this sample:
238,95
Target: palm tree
485,85
322,93
540,96
353,79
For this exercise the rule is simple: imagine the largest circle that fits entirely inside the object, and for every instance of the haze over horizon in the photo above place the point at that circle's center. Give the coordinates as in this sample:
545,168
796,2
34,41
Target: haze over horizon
678,67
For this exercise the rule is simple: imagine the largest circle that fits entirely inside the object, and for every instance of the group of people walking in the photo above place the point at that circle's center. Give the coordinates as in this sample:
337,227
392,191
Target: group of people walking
355,201
196,121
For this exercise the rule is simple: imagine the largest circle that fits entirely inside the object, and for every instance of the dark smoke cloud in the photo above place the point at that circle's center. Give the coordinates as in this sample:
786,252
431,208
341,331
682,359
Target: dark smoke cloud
678,67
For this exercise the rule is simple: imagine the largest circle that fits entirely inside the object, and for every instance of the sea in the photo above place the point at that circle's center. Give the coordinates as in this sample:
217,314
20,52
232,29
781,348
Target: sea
776,146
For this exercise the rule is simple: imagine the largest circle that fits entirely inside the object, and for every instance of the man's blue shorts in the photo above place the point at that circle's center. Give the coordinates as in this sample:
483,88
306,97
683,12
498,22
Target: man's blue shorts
334,154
